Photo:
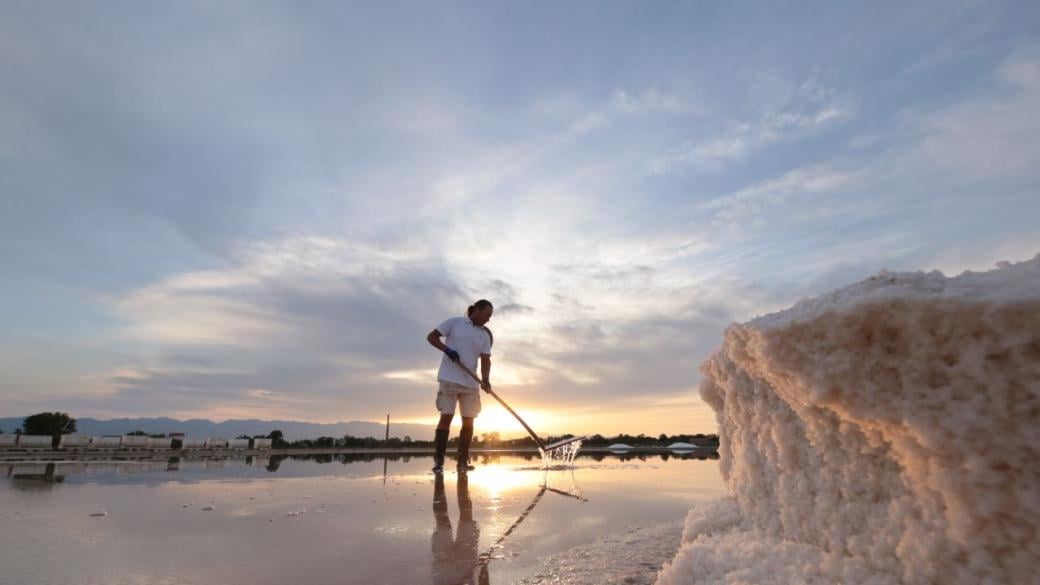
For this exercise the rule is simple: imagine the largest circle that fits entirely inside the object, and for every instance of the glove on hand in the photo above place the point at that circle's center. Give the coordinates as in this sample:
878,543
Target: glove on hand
452,354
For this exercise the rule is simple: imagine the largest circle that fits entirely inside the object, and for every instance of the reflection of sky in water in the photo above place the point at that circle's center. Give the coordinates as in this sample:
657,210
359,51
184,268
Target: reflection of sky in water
338,521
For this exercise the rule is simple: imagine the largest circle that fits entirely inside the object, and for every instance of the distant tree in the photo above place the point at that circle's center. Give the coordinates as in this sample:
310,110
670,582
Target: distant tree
326,442
663,438
491,438
49,423
407,438
243,437
274,461
137,434
277,440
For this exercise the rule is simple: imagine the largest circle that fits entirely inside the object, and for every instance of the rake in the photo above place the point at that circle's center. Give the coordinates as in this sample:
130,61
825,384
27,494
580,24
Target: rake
541,444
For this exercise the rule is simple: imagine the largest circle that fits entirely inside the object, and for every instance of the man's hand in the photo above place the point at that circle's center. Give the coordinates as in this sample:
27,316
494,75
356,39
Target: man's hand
452,354
486,386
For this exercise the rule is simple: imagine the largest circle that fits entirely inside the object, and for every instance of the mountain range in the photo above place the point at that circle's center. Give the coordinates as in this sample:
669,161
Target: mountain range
292,430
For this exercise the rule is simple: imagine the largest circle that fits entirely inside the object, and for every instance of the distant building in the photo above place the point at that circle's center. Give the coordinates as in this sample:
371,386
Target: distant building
74,441
134,442
35,441
106,442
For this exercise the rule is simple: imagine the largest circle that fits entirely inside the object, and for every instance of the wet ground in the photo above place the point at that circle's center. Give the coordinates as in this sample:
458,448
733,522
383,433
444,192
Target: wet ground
363,519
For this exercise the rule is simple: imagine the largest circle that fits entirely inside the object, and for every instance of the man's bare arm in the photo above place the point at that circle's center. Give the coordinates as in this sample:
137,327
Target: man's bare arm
485,371
435,340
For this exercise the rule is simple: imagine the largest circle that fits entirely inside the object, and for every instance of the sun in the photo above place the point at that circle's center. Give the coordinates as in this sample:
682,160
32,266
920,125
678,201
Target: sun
494,418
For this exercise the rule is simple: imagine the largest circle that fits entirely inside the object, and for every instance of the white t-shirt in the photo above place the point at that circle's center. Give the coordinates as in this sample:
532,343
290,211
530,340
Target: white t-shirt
470,341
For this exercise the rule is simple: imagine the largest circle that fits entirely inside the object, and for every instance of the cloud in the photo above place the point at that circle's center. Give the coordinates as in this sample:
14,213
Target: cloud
749,210
989,136
784,114
277,290
580,316
513,308
649,100
313,320
268,214
910,204
318,319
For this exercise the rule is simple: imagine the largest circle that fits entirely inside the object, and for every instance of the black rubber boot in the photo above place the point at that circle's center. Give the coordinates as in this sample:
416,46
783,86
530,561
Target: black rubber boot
465,438
440,442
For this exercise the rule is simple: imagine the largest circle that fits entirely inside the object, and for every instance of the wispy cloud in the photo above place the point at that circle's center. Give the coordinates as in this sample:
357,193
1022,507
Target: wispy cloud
649,101
783,114
748,209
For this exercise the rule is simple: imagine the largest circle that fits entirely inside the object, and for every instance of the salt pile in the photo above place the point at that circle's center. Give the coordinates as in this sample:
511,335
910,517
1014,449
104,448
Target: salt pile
884,433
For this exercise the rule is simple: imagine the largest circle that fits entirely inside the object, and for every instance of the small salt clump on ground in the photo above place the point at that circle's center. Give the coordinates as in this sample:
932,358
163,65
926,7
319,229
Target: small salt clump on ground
629,557
98,514
884,433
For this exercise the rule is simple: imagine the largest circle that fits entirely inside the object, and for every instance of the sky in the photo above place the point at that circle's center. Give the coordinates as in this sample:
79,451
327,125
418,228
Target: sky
260,209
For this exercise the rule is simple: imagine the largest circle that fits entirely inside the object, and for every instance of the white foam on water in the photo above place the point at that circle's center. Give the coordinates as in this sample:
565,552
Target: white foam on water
561,457
884,433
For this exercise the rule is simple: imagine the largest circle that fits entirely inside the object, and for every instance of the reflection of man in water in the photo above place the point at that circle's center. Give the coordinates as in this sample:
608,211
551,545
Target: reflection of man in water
455,559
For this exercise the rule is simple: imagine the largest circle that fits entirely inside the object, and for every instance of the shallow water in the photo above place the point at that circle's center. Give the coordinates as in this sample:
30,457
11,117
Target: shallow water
326,519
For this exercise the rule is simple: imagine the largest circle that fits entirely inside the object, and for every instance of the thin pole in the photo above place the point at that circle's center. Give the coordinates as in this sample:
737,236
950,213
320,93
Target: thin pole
537,439
388,426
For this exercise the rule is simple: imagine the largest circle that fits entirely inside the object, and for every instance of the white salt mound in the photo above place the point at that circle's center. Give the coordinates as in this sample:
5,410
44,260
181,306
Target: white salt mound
884,433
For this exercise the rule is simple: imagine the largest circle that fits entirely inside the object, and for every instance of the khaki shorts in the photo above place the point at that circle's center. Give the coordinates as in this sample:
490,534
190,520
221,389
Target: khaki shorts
468,398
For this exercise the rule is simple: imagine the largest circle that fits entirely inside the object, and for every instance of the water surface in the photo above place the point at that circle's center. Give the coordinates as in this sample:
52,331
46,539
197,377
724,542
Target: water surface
325,519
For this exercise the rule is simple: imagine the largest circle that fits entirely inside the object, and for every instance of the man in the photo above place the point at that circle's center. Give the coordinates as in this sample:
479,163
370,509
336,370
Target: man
465,338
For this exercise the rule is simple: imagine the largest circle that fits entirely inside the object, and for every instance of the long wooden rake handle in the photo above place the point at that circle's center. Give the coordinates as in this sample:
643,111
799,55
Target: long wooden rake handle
534,435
